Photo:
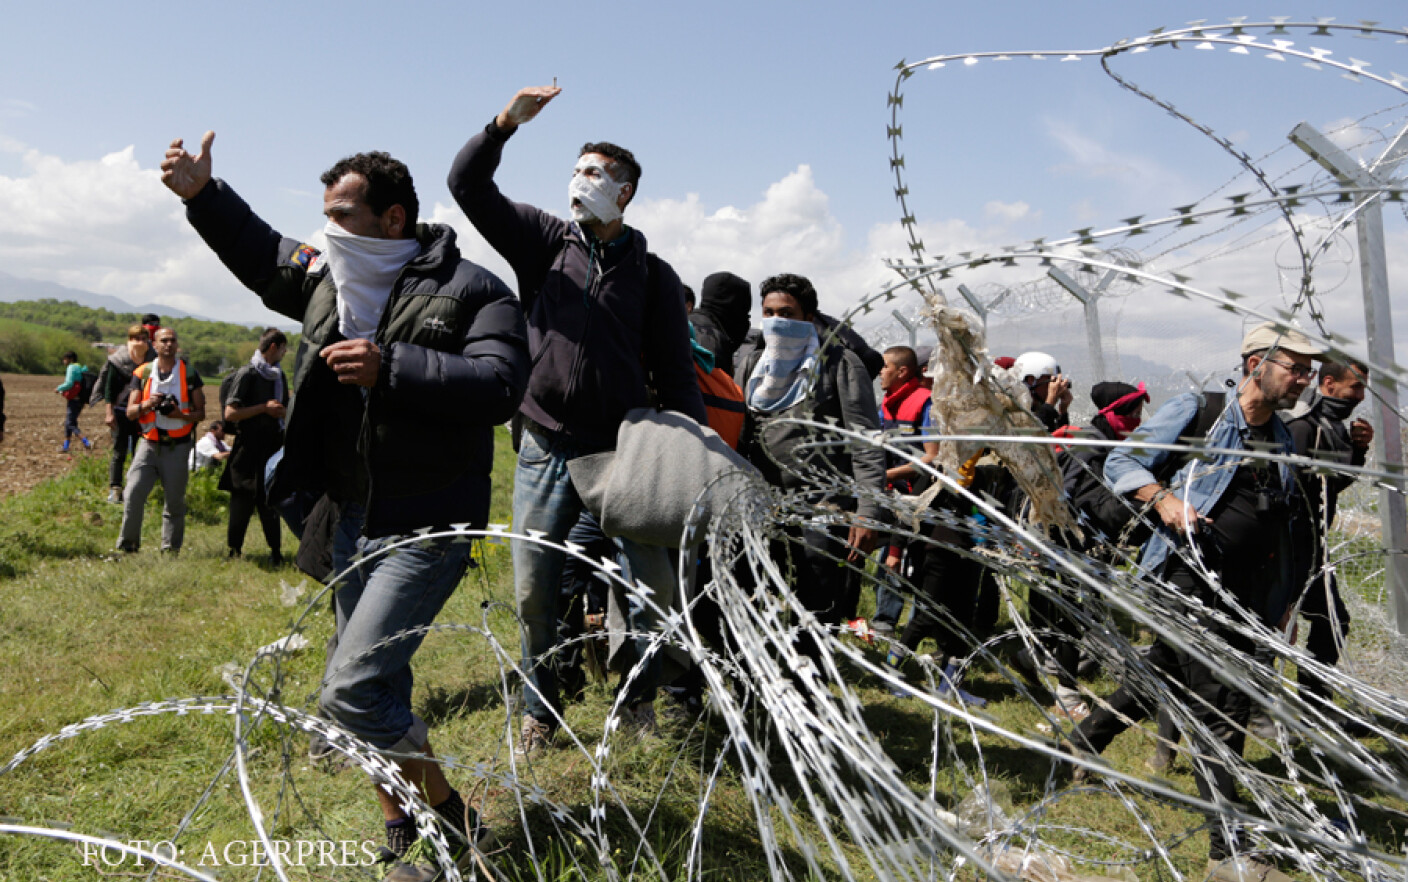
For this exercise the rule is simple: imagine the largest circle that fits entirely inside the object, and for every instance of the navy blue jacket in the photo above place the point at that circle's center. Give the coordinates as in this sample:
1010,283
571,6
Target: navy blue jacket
594,347
454,363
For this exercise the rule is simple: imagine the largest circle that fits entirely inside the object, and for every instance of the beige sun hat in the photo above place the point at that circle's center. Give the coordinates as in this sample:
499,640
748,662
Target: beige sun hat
1269,335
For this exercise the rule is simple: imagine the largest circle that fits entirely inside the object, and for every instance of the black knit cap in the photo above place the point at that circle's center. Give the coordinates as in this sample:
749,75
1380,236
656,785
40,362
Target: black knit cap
1106,394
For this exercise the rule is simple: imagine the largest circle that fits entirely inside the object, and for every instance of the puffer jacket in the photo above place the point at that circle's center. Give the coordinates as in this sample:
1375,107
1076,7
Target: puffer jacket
454,363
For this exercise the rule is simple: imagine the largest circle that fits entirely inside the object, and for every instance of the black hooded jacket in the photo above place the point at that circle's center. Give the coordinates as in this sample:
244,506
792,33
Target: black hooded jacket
601,329
721,318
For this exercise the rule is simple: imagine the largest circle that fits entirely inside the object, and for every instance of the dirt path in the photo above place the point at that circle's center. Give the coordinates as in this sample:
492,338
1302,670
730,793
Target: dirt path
34,432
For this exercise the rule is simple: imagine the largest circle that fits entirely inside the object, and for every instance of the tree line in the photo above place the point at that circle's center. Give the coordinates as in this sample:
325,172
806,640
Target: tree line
34,334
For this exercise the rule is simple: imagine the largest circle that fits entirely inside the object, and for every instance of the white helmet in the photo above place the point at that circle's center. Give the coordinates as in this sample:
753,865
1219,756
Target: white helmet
1035,365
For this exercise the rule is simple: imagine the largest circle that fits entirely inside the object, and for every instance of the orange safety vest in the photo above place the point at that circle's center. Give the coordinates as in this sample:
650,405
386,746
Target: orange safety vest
147,373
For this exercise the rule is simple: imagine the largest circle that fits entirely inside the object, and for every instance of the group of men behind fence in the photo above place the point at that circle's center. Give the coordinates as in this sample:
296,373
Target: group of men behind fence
410,355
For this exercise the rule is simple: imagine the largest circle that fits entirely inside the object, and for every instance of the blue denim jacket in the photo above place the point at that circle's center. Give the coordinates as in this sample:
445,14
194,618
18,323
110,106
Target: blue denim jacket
1126,470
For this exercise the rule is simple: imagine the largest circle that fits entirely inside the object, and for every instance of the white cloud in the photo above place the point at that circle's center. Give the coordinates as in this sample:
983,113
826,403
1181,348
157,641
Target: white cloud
1087,157
789,229
1006,211
109,226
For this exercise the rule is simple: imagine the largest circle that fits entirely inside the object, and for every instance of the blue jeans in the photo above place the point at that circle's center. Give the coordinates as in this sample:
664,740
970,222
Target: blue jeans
545,500
369,692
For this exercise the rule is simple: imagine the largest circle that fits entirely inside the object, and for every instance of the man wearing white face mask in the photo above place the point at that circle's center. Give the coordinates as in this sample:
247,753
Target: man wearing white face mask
410,355
603,314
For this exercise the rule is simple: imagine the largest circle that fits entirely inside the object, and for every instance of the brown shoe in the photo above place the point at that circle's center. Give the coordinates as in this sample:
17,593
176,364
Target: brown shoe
1244,869
534,736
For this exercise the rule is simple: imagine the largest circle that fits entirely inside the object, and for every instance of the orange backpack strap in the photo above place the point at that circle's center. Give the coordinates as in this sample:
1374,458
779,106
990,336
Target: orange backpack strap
723,402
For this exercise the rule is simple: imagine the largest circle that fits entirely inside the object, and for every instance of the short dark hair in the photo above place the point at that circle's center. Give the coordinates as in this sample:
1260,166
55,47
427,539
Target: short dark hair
151,318
625,169
1340,371
218,425
799,288
1246,361
388,183
688,295
905,356
69,356
271,337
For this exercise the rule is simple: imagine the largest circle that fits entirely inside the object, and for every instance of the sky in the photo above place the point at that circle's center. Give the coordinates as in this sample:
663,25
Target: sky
761,127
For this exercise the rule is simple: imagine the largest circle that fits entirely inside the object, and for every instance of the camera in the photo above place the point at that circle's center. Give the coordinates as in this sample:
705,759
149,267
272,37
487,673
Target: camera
165,404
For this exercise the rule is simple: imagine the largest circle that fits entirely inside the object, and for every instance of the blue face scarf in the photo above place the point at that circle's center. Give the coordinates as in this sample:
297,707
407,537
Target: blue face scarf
783,376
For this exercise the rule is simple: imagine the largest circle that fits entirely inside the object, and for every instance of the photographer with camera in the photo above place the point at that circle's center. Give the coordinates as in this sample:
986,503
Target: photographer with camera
166,402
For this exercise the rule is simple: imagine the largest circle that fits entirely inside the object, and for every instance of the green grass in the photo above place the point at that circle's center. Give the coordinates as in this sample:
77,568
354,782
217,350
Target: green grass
84,634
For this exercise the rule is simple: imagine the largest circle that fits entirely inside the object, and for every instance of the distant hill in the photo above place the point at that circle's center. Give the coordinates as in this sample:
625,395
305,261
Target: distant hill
213,347
14,288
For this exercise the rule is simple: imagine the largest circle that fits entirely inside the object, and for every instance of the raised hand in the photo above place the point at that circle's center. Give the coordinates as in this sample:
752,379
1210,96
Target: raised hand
525,105
184,174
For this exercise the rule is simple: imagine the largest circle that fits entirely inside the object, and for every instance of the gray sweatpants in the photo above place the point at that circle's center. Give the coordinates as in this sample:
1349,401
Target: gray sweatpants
170,463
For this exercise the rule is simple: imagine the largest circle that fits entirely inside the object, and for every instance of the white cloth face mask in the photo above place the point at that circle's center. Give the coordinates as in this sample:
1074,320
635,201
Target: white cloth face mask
592,192
364,269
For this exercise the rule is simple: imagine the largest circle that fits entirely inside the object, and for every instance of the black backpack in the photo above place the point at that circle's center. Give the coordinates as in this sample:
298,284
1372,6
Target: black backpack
87,385
95,395
1083,476
227,388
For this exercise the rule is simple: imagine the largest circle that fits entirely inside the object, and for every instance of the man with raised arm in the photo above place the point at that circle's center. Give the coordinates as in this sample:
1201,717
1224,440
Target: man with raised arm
410,355
605,316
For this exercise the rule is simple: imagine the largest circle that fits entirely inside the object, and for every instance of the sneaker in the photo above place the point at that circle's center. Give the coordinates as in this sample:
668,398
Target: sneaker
639,720
533,736
1262,727
1074,713
949,688
87,445
318,747
1244,869
883,631
115,495
64,449
404,872
399,842
1161,760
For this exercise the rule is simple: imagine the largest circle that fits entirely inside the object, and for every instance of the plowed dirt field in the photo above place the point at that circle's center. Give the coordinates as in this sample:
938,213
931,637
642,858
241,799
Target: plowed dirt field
34,433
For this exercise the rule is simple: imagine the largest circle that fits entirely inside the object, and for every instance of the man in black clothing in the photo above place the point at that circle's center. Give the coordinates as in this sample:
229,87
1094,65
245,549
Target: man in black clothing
256,405
721,318
1317,425
604,317
116,382
410,355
